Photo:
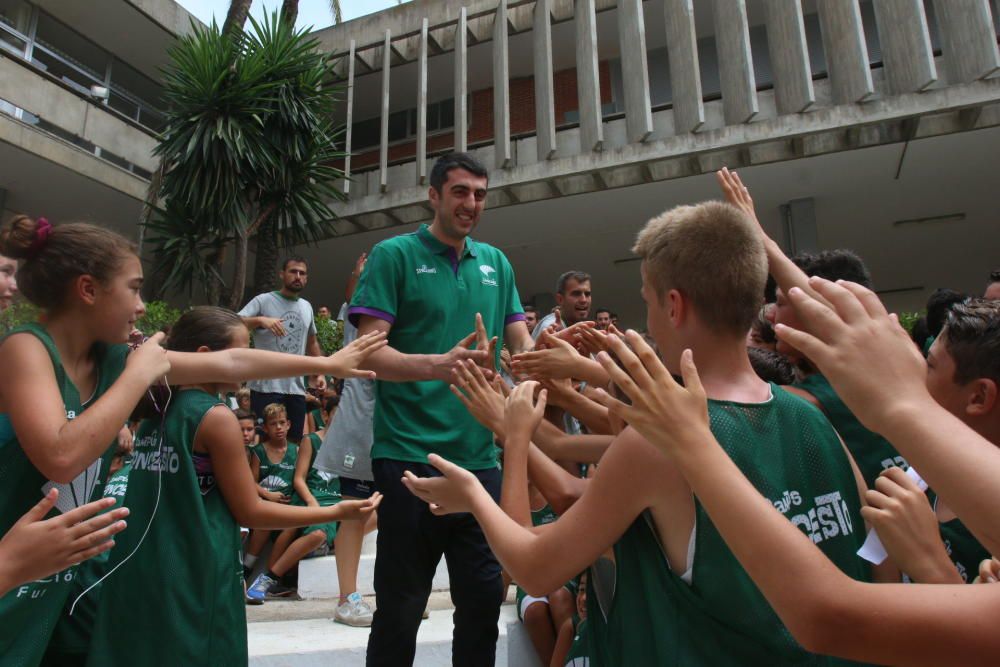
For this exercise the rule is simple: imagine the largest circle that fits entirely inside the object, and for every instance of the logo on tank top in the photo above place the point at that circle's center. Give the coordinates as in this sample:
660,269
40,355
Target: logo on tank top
273,483
150,455
79,491
828,518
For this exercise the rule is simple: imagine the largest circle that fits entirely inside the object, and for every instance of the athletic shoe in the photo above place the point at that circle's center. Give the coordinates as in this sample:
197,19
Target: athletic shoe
426,614
355,612
280,590
258,589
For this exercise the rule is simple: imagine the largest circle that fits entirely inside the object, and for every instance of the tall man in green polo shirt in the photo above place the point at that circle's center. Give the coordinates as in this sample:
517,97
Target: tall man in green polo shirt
425,289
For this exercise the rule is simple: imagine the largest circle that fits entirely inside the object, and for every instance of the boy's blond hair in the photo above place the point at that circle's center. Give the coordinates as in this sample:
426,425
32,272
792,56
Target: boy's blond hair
243,393
273,410
713,255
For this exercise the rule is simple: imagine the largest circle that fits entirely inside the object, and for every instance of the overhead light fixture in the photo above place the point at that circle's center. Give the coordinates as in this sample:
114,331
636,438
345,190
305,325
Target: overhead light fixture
950,217
626,260
898,290
100,92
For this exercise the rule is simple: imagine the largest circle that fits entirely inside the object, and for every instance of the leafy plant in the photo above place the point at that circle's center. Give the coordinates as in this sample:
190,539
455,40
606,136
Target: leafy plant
20,312
330,334
159,315
907,320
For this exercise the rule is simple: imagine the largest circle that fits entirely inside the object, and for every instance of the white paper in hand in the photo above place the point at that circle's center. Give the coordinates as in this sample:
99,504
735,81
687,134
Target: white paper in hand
872,550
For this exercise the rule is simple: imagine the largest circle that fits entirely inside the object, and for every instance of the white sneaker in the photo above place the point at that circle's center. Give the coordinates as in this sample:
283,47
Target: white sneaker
355,612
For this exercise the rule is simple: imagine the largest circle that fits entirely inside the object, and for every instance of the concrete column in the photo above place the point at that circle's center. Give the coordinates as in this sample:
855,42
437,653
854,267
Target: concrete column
968,40
545,113
349,130
422,106
846,50
906,45
501,89
383,171
635,72
786,42
588,82
732,41
685,77
461,83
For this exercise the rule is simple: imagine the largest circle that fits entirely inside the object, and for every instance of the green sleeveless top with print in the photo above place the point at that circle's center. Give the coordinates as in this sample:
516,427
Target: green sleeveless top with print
578,655
324,486
71,638
963,548
277,476
318,420
178,599
28,613
538,518
642,613
871,452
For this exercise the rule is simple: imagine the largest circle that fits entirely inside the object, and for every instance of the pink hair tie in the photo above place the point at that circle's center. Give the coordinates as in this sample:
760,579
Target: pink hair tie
41,237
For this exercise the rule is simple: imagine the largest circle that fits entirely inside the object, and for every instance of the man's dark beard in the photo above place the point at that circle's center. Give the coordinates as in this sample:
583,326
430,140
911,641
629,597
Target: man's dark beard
291,287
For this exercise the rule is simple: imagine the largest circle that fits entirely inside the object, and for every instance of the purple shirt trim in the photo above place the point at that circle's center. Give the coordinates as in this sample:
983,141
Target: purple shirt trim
515,317
354,314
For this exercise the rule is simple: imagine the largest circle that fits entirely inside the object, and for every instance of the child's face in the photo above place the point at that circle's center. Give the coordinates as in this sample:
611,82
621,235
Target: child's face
581,598
247,429
118,302
243,402
276,428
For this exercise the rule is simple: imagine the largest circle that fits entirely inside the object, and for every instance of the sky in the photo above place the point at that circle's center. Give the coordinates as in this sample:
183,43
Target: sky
315,13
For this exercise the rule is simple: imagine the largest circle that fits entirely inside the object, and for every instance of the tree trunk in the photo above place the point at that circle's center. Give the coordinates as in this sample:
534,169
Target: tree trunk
266,268
240,270
290,11
213,290
237,16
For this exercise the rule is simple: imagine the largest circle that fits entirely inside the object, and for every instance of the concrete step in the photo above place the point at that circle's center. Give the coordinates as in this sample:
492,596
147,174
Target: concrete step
318,577
319,642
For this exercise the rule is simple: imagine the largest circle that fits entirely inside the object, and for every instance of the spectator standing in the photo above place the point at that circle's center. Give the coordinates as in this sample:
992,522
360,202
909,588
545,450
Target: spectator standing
572,300
283,322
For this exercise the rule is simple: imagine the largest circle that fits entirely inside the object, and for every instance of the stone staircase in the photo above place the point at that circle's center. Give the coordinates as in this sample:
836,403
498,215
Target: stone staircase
286,633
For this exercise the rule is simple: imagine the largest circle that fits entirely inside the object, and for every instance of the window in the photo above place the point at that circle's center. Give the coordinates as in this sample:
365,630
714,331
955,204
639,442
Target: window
16,14
403,125
76,51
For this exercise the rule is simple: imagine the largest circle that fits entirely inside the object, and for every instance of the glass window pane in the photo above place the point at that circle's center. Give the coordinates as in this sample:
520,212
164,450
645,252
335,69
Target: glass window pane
447,119
12,43
397,125
137,85
73,48
60,70
16,14
124,105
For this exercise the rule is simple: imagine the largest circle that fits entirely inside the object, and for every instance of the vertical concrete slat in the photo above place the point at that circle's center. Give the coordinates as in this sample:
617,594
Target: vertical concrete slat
786,43
501,89
545,112
732,42
906,45
461,82
635,72
383,170
588,81
968,40
349,129
685,77
846,50
422,106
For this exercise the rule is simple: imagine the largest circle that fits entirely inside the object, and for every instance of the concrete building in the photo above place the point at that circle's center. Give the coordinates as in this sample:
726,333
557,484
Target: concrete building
870,125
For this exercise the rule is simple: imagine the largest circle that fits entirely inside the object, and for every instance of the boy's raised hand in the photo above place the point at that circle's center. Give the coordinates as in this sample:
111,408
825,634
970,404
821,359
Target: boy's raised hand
451,493
522,413
479,397
668,415
346,362
864,352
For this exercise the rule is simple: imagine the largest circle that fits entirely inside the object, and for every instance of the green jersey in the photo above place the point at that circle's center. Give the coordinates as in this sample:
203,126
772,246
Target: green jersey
578,655
642,613
325,488
431,296
538,518
277,476
963,548
28,613
177,595
318,420
871,452
71,638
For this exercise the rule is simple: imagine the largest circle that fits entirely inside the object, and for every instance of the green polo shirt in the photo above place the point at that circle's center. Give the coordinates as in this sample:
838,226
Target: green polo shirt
431,297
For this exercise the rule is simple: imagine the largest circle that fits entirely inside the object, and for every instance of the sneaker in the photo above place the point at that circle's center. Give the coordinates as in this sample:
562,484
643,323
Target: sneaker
355,612
258,589
280,590
426,614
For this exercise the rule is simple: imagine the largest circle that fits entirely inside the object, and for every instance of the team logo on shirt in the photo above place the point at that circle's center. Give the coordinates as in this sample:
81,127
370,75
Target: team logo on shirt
77,492
423,268
488,271
828,518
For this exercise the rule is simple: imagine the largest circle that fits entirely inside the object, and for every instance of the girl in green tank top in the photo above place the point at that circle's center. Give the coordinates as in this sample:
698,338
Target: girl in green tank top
66,389
190,488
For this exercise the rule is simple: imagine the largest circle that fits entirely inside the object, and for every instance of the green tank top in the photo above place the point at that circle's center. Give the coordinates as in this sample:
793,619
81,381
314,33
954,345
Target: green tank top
963,548
318,420
71,637
277,476
324,486
538,518
577,655
28,613
642,613
182,590
871,452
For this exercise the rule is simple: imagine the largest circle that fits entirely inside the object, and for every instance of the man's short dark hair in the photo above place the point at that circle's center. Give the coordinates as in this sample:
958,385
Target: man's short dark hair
771,366
578,276
995,276
602,310
445,163
530,309
972,338
840,264
294,259
939,305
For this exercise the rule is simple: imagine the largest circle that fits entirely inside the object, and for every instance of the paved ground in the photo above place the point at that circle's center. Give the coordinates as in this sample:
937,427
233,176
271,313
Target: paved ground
300,610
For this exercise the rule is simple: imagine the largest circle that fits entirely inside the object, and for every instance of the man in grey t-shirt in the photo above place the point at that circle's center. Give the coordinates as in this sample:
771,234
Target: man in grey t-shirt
283,322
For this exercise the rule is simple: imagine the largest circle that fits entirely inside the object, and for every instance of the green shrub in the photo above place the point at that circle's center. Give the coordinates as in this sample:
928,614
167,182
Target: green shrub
907,320
20,313
159,315
330,335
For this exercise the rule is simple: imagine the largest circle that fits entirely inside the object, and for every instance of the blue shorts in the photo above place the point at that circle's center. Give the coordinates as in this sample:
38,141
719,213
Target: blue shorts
356,488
